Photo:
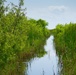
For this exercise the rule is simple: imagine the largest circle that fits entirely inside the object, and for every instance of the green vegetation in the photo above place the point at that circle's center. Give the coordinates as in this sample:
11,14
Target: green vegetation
20,38
65,43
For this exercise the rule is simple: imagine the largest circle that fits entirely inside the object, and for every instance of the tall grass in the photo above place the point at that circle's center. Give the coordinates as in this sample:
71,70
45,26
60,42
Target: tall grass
65,43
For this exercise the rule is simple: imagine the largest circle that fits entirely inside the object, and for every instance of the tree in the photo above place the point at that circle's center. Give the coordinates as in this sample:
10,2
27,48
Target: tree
42,23
2,9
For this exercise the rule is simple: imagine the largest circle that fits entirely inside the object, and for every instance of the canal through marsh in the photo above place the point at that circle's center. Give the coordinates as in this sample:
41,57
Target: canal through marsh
46,65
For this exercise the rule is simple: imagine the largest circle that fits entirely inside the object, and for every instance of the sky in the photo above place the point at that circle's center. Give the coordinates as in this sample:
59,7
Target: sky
53,11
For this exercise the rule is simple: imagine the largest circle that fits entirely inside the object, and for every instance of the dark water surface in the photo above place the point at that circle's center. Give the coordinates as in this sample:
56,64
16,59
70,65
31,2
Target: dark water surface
46,65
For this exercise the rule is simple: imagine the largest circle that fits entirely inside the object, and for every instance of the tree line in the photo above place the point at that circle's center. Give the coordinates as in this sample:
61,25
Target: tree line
20,37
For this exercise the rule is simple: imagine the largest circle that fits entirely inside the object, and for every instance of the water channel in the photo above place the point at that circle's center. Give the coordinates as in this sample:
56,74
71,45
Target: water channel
46,65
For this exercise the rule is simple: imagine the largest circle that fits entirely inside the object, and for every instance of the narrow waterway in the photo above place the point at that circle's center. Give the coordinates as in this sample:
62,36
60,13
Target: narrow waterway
46,65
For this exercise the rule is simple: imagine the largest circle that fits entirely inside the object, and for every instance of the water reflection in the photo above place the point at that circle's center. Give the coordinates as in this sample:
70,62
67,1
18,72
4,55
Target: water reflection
46,65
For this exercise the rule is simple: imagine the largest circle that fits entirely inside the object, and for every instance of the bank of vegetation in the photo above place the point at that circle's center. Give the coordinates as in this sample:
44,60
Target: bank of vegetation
65,43
20,37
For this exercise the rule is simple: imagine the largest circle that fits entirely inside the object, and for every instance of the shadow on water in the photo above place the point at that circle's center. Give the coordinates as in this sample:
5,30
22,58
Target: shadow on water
48,64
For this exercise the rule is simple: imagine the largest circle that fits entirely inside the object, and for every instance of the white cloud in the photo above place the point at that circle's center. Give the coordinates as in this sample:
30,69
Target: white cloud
57,8
53,15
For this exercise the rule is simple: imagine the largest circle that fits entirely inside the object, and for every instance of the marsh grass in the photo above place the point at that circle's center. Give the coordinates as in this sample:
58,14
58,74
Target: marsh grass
65,43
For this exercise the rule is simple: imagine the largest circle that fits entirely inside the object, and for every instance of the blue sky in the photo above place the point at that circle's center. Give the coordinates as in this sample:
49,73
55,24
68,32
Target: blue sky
53,11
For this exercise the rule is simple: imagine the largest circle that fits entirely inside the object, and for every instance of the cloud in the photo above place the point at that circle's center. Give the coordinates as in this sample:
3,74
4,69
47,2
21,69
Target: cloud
57,8
53,15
